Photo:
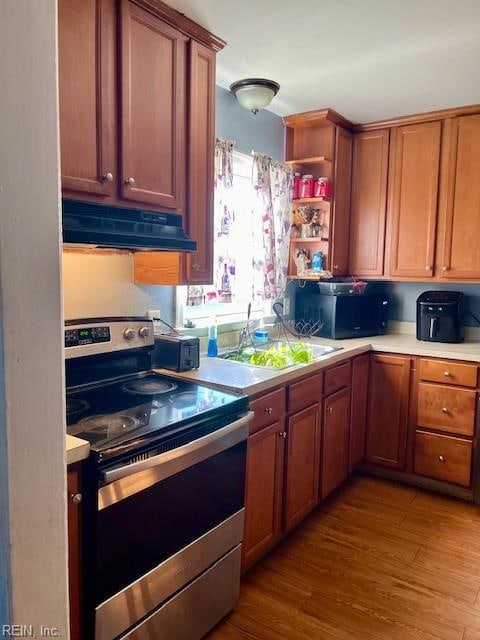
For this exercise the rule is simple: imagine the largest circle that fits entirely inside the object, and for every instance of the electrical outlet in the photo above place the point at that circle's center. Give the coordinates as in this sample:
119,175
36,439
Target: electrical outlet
154,313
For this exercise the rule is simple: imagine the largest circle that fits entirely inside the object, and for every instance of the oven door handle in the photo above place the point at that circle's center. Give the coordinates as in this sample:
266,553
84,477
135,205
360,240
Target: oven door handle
133,478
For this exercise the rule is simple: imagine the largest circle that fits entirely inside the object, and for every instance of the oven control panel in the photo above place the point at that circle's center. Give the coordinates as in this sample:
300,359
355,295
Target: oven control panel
86,335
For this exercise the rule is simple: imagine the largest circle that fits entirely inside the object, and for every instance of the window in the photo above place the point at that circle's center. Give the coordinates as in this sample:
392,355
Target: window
236,282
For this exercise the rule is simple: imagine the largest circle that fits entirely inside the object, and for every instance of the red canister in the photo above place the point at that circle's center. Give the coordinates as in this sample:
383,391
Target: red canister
323,187
306,186
296,186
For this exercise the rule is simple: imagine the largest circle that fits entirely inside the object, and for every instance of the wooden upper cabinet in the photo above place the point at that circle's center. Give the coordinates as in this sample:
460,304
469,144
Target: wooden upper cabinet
153,110
387,416
200,145
369,202
86,42
414,174
461,258
340,227
303,463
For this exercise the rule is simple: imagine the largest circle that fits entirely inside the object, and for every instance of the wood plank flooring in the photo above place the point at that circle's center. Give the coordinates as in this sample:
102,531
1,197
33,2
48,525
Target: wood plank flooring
377,561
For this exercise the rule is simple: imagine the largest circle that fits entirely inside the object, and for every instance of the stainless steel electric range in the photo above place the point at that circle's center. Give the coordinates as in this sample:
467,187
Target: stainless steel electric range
163,487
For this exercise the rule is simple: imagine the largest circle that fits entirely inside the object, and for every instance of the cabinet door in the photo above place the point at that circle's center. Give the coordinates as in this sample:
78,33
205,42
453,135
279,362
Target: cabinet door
336,421
413,199
369,202
263,491
74,550
340,224
201,143
387,415
153,121
302,467
461,258
86,52
358,414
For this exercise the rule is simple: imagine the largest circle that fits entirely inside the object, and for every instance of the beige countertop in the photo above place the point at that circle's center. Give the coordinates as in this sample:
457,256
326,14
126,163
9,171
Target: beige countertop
77,449
234,376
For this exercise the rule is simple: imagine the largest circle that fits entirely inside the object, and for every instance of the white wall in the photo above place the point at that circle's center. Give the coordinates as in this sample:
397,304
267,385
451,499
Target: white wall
32,430
97,285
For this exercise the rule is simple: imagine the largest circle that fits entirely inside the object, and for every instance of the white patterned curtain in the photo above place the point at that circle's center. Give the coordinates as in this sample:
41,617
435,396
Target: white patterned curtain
223,229
272,182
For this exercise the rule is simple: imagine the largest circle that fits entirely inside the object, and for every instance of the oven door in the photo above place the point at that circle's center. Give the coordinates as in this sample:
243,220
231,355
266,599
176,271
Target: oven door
163,521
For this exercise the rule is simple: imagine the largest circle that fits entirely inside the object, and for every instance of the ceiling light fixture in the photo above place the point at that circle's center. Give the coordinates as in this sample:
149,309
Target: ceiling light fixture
254,94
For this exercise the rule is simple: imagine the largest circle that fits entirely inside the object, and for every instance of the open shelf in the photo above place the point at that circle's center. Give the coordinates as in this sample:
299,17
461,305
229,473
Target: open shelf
318,239
312,160
310,200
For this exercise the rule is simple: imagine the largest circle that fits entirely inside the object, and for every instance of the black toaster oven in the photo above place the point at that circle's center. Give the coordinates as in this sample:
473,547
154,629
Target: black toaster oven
176,352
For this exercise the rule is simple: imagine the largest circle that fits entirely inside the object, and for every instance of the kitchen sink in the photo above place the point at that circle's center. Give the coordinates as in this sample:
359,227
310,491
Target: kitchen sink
318,352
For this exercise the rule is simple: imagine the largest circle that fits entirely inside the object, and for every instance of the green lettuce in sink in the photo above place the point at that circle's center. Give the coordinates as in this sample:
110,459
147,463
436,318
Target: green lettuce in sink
279,356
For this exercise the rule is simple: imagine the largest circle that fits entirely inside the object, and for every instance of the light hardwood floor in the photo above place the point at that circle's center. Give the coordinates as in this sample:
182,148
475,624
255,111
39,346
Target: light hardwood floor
376,561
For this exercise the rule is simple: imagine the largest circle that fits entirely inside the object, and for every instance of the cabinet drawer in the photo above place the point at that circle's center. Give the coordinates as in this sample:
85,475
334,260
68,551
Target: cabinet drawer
443,458
267,409
459,373
448,409
337,378
304,393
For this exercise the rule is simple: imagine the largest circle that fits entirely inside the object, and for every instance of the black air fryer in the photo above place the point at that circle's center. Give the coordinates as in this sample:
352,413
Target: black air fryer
439,316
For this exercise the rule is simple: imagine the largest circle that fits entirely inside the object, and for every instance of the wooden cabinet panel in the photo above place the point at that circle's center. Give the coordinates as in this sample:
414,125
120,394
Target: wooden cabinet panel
336,420
263,491
86,48
358,413
461,258
337,377
201,144
269,407
74,551
369,202
302,467
301,394
387,413
443,458
449,409
459,373
153,112
413,199
340,225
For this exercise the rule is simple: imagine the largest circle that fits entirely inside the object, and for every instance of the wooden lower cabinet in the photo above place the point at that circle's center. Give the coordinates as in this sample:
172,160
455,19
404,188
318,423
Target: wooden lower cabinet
387,415
263,491
302,464
74,549
358,413
336,429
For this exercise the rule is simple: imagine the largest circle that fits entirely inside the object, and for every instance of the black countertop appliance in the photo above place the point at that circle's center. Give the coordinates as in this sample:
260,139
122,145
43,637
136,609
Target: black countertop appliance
439,316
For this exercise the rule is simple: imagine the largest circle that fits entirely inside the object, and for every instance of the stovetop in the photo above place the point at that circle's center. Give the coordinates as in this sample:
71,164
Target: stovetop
142,408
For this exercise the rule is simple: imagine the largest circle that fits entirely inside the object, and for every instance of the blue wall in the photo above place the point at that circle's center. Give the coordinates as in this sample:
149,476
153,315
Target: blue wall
263,132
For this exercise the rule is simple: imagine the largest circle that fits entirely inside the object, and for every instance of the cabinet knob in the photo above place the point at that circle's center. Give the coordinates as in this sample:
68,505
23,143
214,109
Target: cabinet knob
282,434
329,409
268,410
441,458
428,267
76,498
336,267
447,374
445,268
196,266
445,410
107,177
130,182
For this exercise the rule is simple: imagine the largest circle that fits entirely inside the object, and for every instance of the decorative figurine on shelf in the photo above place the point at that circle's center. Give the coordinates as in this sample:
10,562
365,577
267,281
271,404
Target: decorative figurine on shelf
295,230
301,261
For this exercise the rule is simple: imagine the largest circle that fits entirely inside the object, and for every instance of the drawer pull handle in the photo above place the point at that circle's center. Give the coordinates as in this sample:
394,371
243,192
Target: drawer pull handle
447,374
268,410
441,459
445,410
282,434
76,498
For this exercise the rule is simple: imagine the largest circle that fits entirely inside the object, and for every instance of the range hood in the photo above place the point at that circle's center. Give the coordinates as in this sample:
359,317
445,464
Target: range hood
97,225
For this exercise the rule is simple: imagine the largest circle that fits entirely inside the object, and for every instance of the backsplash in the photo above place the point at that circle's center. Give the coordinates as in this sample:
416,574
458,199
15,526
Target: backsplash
102,285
